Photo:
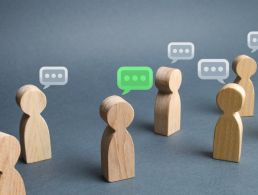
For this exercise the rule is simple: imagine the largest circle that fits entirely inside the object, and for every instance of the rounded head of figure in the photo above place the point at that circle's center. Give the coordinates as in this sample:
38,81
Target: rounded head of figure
31,99
117,112
9,151
231,98
244,66
168,79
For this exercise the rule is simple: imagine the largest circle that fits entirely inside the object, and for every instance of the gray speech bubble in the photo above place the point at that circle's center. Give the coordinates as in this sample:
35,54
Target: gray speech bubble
180,51
53,75
252,41
213,69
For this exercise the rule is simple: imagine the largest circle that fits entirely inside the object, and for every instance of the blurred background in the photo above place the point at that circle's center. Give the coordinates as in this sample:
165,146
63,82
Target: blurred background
93,39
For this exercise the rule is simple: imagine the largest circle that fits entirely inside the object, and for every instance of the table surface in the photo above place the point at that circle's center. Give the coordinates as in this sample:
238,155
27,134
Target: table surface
93,39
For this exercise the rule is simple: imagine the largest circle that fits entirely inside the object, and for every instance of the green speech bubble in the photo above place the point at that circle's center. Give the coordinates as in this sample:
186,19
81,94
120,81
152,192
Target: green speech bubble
134,78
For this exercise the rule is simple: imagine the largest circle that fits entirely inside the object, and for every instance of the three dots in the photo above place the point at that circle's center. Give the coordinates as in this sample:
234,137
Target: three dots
53,76
213,69
187,51
135,78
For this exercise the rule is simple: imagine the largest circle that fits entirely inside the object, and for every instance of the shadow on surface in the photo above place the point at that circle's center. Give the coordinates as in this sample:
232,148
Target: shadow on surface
84,169
204,105
250,131
207,154
94,172
205,108
143,125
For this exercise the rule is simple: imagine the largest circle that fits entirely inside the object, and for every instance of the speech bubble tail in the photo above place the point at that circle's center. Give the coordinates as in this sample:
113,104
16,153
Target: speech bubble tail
125,92
221,81
254,50
46,86
173,61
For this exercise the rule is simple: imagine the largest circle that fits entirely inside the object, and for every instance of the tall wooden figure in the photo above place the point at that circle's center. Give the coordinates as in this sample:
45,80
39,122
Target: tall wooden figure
117,148
11,182
34,133
229,128
245,66
168,104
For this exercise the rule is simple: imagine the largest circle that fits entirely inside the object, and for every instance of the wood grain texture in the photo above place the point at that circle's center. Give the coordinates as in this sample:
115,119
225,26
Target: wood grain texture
229,128
167,112
34,132
117,148
11,182
245,67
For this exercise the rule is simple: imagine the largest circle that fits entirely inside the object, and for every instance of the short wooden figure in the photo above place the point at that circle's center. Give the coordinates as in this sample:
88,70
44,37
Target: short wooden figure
117,148
167,111
11,182
34,132
229,128
245,67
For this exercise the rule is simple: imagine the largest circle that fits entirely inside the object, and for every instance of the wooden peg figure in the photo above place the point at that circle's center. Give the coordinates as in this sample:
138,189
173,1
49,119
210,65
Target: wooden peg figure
34,132
167,115
245,66
117,148
229,128
11,182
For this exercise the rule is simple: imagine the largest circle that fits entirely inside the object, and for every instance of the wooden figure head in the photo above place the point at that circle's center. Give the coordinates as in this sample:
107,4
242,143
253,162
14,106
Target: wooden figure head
31,99
168,80
116,112
231,98
9,151
244,66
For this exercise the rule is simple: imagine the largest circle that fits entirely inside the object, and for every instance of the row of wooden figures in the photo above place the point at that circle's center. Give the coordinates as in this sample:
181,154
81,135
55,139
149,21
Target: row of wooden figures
117,148
234,100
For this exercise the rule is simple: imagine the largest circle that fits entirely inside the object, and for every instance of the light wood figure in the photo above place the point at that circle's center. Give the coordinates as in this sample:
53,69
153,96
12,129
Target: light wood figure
117,148
167,117
34,132
245,66
11,182
229,128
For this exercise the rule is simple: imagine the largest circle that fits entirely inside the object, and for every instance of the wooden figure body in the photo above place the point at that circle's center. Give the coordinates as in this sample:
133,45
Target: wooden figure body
11,182
168,104
117,148
34,133
229,128
245,66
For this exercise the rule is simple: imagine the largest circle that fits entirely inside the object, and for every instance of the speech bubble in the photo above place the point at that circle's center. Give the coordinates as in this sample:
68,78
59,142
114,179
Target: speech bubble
213,69
53,75
134,78
180,51
252,41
